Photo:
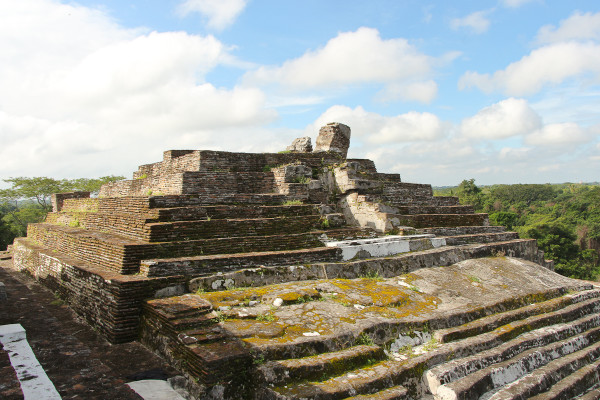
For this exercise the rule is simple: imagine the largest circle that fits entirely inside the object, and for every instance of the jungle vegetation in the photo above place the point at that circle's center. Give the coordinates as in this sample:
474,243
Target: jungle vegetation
564,218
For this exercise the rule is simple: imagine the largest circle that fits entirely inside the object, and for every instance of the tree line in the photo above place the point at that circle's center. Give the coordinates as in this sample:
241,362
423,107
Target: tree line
564,218
27,200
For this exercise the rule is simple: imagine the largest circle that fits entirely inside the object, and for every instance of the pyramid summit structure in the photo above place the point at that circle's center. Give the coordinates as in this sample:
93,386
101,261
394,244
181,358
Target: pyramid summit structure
307,275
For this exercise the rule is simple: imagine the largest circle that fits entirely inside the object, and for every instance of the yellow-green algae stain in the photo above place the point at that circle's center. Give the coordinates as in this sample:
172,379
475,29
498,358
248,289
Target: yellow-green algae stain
341,303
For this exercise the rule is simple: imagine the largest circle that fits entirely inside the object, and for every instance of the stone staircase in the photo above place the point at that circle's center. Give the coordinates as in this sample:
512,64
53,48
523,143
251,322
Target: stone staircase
336,339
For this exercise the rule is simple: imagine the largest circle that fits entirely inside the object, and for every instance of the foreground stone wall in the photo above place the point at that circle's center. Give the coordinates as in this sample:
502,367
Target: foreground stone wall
110,302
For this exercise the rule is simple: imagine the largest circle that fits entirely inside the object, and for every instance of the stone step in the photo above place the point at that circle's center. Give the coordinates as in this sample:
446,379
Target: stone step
361,381
436,220
445,201
231,198
562,378
109,251
384,266
461,367
593,394
203,265
207,229
434,209
505,372
480,238
121,254
461,230
313,367
393,393
408,372
489,323
231,211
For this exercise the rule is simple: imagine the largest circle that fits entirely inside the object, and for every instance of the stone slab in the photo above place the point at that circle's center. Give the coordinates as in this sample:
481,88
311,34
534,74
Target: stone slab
155,389
35,384
386,245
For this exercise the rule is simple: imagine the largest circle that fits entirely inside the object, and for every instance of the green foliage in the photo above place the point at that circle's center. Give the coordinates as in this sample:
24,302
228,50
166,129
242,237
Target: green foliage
527,194
267,317
293,203
564,218
27,201
504,218
364,340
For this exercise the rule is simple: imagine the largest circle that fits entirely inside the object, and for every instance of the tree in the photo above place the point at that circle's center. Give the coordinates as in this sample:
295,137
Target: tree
504,218
469,193
28,199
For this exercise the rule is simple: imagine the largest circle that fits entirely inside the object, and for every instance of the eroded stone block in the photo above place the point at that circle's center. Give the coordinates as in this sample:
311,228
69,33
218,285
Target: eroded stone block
334,137
301,145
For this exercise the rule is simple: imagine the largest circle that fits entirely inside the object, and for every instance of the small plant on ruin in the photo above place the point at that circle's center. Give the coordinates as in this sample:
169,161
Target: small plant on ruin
324,223
303,299
293,203
414,288
267,317
431,345
475,279
221,317
302,179
364,340
373,275
259,359
58,301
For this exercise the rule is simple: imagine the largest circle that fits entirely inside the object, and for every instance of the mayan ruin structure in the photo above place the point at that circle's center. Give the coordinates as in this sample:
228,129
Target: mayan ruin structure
308,275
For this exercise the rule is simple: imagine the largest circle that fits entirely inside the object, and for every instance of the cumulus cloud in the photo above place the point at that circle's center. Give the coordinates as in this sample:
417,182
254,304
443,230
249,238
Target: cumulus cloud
219,13
378,129
78,89
476,22
564,134
551,64
516,154
577,27
504,119
356,57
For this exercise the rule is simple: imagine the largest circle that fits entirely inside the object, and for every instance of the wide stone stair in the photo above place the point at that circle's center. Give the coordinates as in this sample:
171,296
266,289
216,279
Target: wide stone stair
517,347
192,238
550,349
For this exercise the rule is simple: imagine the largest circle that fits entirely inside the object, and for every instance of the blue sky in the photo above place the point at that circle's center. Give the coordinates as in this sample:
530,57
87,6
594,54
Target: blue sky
504,91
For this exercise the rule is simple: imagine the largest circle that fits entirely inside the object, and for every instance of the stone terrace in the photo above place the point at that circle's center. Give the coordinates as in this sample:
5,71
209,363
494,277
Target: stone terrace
300,275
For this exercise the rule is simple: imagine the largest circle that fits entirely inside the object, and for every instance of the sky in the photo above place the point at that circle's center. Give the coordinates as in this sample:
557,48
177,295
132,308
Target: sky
504,91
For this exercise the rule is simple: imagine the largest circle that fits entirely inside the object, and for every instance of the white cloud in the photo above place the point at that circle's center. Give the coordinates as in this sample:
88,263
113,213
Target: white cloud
550,64
423,92
577,27
515,3
504,119
377,129
515,154
79,90
477,22
354,58
564,134
219,13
